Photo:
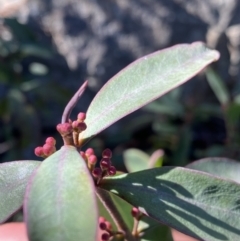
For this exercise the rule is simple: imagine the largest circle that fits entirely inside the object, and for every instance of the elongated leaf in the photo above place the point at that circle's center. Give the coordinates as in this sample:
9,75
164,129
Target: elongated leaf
144,81
221,167
60,200
135,160
13,181
218,86
193,202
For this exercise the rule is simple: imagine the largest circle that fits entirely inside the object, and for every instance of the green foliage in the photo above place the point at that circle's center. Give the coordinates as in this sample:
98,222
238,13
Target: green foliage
60,202
144,81
14,177
64,195
192,202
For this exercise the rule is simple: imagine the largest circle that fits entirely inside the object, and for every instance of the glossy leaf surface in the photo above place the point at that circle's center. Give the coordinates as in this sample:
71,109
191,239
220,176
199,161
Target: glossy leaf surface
13,181
60,200
195,203
221,167
144,81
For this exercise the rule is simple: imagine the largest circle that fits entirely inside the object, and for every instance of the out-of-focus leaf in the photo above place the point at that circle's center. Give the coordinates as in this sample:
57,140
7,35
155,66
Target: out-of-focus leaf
195,203
144,81
135,160
156,159
221,167
38,69
218,86
60,202
13,181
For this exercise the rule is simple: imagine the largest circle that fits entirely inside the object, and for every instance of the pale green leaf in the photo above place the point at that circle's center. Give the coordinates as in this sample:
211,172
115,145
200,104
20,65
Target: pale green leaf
14,177
60,200
144,81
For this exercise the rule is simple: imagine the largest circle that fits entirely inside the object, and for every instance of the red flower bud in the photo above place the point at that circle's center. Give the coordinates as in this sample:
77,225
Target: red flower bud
64,129
81,116
89,152
135,212
105,163
51,141
107,153
109,225
103,226
39,151
97,172
101,219
105,236
92,160
48,149
112,171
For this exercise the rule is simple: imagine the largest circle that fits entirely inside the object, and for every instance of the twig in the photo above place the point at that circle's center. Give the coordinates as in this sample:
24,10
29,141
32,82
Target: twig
107,202
68,109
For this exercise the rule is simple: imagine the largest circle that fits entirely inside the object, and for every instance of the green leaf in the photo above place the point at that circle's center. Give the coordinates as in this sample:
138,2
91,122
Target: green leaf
144,81
135,160
221,167
218,86
13,181
149,228
60,202
195,203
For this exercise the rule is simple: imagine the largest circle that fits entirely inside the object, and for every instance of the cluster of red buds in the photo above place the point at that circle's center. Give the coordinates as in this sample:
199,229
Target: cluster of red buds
106,168
108,233
70,130
47,149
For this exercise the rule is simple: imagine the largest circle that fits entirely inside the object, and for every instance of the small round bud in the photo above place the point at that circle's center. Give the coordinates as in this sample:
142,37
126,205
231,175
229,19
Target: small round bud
109,225
112,171
75,125
102,226
105,163
39,151
51,141
101,219
92,160
135,212
64,129
89,152
107,153
82,126
81,116
105,236
48,149
97,172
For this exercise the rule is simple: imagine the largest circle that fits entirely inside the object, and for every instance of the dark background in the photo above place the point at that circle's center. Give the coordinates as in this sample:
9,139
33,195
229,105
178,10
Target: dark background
49,47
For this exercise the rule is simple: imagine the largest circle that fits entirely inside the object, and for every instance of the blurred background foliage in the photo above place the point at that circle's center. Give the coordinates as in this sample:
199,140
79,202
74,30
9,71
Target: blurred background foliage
48,48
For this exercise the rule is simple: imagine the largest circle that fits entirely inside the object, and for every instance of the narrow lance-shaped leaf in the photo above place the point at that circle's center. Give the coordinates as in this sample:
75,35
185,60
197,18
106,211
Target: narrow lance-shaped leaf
13,181
60,200
145,80
193,202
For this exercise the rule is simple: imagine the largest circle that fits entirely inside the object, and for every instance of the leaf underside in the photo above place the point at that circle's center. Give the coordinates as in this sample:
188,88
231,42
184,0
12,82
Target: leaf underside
13,181
195,203
60,201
